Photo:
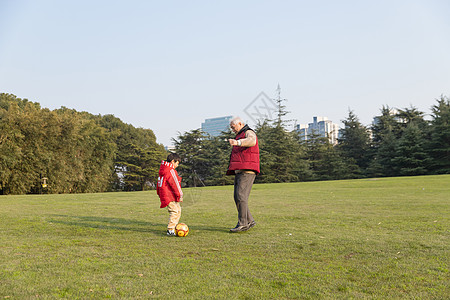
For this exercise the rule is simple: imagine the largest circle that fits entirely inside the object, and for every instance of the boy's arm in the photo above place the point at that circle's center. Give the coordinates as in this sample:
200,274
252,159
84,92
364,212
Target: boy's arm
175,184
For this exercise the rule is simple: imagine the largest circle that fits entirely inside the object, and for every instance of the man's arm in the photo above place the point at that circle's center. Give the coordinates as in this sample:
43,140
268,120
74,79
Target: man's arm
249,141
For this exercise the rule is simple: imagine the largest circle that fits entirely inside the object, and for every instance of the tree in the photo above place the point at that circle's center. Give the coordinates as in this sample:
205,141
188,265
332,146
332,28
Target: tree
11,138
76,152
439,144
279,154
385,151
411,115
138,155
194,157
204,158
281,110
354,141
410,156
384,123
217,151
325,161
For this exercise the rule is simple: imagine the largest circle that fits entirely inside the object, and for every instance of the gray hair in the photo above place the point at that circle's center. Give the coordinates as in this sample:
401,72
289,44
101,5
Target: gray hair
235,120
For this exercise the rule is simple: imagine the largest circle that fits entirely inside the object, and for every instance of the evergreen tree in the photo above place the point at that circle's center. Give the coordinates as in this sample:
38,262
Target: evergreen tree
194,157
217,151
384,123
204,158
326,162
279,154
385,130
316,147
281,110
411,115
382,164
354,141
439,144
410,156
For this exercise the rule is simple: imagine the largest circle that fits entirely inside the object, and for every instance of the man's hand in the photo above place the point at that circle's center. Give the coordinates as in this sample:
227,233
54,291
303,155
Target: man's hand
248,141
233,142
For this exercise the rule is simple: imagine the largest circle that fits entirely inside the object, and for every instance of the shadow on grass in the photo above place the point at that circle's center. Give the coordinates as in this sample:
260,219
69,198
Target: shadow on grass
108,223
209,228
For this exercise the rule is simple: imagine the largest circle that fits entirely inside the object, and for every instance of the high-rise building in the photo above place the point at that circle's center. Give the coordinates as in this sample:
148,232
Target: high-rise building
320,126
215,126
392,112
302,130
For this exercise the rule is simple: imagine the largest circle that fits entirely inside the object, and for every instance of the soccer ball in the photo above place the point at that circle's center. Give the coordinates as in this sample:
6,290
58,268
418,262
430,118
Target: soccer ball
181,229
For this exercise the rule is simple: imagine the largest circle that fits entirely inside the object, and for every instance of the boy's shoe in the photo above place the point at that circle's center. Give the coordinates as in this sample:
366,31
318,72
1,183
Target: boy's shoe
171,232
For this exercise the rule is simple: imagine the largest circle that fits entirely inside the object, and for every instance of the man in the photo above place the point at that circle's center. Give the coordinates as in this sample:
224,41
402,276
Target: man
244,164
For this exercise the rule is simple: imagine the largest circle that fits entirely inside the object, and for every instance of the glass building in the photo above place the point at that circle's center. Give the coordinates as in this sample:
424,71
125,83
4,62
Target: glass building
215,126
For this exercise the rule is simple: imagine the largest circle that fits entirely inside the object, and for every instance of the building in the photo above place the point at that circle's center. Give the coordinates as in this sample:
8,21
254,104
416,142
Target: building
215,126
170,148
392,112
320,126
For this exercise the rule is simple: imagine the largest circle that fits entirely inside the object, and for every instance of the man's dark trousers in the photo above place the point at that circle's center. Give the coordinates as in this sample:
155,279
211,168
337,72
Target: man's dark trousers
243,183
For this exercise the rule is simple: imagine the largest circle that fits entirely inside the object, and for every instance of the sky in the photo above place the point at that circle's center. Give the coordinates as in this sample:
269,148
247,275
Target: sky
169,65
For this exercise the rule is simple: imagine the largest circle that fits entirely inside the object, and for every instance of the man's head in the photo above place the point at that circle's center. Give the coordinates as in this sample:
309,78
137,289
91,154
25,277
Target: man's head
174,159
236,124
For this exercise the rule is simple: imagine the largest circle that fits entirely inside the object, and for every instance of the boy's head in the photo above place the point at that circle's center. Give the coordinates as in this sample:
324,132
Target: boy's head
174,158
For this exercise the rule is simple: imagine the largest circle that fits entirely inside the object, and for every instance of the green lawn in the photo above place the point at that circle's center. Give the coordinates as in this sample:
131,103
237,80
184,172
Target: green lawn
373,239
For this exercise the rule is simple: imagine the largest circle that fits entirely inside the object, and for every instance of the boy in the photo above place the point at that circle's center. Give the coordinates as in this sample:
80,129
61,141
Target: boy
169,190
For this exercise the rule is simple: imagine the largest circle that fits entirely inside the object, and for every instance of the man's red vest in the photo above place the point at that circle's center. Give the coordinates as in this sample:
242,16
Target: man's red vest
244,158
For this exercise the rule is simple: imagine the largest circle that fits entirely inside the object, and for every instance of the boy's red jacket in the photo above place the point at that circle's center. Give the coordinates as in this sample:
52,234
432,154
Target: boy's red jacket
168,188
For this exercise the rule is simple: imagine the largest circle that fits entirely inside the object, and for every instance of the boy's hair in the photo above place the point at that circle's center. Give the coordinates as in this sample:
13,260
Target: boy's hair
173,156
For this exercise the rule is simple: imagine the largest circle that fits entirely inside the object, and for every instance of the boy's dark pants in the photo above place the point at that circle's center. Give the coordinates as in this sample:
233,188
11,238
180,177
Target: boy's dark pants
243,183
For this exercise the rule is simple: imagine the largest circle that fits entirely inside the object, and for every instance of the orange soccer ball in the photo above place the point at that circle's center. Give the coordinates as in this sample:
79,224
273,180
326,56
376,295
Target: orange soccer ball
181,229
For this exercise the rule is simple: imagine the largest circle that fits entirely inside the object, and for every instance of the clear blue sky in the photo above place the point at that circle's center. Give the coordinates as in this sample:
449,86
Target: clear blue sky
168,65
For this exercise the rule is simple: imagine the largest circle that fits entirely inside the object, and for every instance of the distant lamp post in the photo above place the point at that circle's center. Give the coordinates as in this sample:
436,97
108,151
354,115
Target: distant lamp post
44,182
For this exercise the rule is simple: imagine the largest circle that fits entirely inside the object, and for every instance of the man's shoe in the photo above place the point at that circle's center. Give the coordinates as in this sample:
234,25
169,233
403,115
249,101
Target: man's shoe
239,228
253,223
171,233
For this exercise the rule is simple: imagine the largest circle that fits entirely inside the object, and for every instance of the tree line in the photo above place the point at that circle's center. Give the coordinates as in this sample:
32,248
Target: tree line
398,143
78,152
72,152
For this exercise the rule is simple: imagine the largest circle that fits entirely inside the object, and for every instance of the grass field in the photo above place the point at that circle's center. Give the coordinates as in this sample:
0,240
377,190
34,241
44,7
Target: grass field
382,238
